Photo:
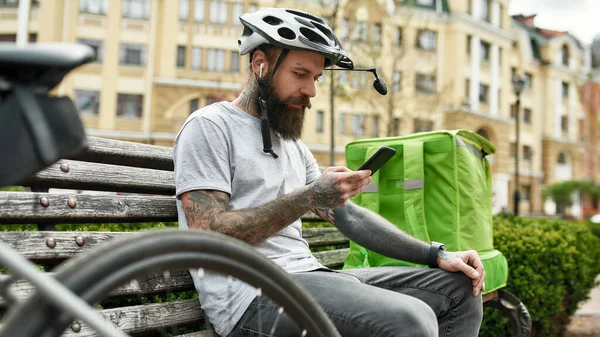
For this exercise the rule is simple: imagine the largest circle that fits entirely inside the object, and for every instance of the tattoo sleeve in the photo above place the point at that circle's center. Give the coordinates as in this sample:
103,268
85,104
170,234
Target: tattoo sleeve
208,209
374,232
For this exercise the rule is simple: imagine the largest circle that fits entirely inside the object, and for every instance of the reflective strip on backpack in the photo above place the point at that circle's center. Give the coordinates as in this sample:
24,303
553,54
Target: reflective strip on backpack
371,188
413,184
473,149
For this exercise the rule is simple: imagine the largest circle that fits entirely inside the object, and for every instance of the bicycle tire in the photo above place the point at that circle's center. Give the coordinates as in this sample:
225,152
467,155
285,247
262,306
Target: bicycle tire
118,261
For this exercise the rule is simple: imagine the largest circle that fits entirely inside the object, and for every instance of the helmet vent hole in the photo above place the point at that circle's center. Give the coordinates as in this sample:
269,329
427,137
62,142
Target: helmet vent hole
324,30
273,21
305,15
313,36
287,33
304,22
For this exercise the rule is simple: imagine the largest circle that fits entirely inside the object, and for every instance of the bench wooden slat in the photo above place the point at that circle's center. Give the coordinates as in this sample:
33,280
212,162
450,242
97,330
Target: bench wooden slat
117,152
332,258
34,245
104,177
323,236
146,317
151,285
26,208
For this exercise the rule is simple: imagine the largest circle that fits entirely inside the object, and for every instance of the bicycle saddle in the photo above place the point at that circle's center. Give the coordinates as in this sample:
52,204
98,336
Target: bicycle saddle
37,129
41,64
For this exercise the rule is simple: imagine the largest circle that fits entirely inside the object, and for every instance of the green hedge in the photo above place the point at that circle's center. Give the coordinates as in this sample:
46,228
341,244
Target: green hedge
552,267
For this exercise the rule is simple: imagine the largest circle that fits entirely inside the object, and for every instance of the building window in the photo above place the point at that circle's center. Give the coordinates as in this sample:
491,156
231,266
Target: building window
344,30
236,12
528,84
526,192
92,6
361,31
397,125
375,126
565,89
184,9
483,93
234,66
397,81
320,121
199,10
132,54
342,124
527,153
513,150
180,56
343,77
137,9
562,158
216,60
485,10
425,2
425,83
96,46
193,105
422,125
399,36
513,111
467,90
252,8
484,51
212,99
129,105
527,116
377,33
358,125
218,12
87,102
196,58
564,55
469,38
359,80
426,40
9,3
564,123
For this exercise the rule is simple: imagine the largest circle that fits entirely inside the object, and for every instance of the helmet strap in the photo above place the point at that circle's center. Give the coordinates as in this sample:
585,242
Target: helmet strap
262,104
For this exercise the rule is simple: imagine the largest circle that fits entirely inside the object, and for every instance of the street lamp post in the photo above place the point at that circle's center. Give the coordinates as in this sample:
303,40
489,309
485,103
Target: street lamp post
518,83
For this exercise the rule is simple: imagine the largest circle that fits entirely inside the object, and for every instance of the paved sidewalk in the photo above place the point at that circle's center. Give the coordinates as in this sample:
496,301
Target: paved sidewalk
586,322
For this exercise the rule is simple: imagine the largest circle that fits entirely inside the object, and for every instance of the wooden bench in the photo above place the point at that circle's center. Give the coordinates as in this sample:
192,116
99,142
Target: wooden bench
122,168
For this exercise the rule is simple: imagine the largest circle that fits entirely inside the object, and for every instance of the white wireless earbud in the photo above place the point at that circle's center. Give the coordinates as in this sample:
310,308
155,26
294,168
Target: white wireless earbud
260,71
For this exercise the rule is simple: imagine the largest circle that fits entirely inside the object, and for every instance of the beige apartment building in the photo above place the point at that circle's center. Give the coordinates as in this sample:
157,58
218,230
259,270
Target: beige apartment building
448,64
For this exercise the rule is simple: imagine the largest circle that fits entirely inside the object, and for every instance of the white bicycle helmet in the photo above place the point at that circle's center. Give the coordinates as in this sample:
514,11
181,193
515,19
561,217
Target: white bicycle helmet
292,29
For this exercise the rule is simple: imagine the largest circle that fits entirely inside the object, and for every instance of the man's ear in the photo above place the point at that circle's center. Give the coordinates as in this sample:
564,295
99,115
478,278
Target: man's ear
259,58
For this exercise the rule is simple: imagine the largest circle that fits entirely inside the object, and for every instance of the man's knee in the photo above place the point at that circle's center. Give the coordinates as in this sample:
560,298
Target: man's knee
464,298
416,319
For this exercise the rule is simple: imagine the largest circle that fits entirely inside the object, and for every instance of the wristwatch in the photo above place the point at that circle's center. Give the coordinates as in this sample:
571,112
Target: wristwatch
434,250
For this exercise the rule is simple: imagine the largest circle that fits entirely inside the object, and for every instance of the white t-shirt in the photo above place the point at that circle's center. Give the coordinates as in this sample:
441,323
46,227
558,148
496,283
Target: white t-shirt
220,148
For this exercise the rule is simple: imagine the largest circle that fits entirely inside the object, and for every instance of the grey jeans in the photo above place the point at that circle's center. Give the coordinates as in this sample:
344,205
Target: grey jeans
383,301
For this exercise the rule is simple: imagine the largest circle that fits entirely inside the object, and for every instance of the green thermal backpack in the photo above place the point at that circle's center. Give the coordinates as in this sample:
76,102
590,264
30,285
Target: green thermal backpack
437,187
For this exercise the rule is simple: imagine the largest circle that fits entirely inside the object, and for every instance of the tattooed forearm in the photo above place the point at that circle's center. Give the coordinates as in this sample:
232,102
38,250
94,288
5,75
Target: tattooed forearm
374,232
208,210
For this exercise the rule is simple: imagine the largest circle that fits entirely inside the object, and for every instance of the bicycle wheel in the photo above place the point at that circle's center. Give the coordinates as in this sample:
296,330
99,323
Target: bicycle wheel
92,275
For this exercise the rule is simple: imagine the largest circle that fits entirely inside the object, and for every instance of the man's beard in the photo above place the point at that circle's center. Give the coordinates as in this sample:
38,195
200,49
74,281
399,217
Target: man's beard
286,121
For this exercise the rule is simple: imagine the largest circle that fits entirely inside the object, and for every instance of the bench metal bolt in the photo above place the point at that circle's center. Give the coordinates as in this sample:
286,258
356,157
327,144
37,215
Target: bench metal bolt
80,241
45,202
51,243
76,326
72,202
64,167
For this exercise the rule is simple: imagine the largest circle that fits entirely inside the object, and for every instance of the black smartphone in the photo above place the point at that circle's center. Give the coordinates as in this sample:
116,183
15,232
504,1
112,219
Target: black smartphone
378,159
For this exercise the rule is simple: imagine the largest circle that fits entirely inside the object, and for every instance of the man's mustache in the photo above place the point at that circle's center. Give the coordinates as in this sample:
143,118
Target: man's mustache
300,100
